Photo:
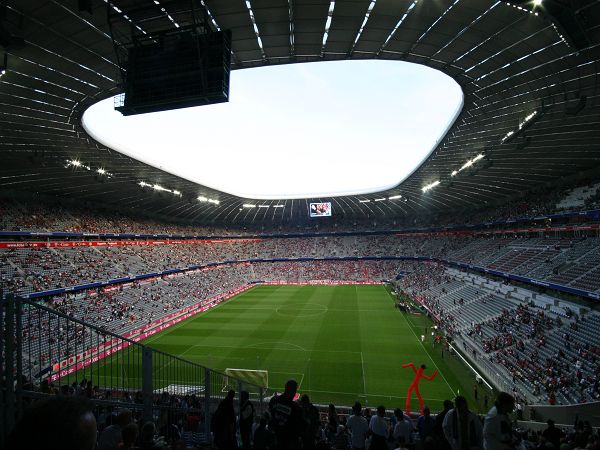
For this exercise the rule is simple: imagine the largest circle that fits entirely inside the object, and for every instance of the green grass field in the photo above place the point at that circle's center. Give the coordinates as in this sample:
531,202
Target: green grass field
342,343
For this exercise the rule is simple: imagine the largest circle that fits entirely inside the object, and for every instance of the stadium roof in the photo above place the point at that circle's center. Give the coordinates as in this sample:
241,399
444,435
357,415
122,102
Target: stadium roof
530,76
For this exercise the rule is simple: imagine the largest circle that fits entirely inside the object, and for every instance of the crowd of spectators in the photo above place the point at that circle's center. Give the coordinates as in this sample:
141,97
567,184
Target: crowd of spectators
544,357
571,262
68,417
52,215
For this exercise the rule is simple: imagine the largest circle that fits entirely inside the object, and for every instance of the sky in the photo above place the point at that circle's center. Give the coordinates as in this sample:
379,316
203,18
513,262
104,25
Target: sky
310,130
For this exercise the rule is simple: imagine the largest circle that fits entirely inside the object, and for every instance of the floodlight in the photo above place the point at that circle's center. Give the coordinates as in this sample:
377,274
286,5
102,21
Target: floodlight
537,2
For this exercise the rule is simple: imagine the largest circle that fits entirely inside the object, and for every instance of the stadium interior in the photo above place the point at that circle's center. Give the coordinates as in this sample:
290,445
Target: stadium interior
112,271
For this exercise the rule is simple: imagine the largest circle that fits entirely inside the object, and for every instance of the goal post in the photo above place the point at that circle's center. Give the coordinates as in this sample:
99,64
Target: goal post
258,378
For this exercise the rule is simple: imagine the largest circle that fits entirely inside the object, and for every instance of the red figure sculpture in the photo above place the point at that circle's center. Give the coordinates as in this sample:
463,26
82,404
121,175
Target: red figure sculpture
415,384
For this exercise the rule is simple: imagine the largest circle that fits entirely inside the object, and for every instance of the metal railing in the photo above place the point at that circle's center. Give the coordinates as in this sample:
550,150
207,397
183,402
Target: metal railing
45,352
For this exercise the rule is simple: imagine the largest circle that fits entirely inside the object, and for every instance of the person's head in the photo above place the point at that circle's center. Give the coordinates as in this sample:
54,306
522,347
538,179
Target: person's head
148,431
448,405
129,434
305,399
381,410
505,403
291,386
357,408
331,408
423,366
461,404
230,396
550,423
124,418
426,411
398,413
244,396
56,423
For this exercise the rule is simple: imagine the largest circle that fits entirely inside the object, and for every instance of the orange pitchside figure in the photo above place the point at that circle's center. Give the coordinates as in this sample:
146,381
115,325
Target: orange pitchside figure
415,384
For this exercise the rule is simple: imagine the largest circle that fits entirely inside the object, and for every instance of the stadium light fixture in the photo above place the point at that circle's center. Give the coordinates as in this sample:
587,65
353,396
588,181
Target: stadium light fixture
278,206
430,186
379,199
394,197
537,2
365,201
522,125
263,206
248,205
4,66
204,199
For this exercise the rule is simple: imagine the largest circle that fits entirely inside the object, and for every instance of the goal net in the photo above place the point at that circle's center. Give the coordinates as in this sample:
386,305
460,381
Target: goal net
256,377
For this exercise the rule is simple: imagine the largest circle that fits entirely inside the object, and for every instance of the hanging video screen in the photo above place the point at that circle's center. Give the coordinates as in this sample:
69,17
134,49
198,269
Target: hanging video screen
320,209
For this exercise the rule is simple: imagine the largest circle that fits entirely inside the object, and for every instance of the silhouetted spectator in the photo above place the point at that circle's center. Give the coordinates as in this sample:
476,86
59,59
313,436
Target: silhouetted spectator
223,423
462,428
111,436
497,429
438,431
56,423
286,418
310,415
246,419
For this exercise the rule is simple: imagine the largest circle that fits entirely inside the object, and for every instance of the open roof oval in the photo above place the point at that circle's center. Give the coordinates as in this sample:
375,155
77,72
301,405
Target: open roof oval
309,130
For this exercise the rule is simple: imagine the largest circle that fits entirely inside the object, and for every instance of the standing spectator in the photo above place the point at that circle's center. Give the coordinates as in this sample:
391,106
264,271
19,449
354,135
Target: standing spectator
263,437
497,430
425,424
286,418
403,428
462,428
358,426
553,434
311,416
332,423
438,430
379,431
223,424
246,419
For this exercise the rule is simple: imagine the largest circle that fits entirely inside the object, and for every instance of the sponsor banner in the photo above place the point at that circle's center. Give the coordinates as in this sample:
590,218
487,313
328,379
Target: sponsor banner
94,354
315,282
67,244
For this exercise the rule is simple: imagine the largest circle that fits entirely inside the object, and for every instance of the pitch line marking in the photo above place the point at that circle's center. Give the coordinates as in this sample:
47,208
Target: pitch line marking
427,353
362,364
259,346
299,348
372,395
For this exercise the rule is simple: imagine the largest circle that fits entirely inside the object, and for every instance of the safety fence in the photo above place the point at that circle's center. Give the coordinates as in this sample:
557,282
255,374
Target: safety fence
44,351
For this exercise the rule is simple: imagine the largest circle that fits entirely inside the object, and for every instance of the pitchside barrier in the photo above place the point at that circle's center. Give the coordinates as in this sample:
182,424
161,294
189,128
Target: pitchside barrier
43,351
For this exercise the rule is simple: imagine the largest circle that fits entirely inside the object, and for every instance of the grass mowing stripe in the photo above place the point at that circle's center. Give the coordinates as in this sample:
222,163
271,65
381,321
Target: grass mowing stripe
355,335
428,355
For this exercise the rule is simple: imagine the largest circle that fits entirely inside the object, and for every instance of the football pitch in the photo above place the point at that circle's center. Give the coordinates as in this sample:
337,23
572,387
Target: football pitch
341,343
